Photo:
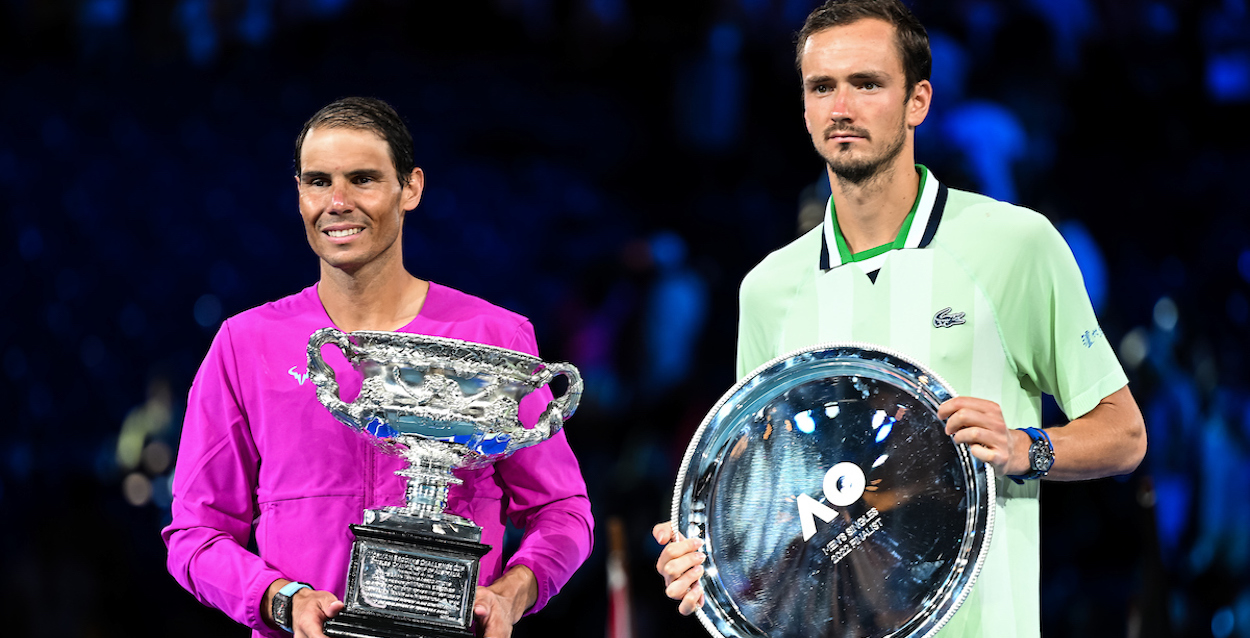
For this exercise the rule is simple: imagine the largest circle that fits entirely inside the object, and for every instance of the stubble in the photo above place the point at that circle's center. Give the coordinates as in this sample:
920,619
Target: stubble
858,172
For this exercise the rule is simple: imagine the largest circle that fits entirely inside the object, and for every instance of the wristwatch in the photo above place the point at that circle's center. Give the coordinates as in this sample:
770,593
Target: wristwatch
1041,455
282,604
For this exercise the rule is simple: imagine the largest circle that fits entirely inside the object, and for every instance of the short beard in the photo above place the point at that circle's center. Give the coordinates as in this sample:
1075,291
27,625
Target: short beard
860,172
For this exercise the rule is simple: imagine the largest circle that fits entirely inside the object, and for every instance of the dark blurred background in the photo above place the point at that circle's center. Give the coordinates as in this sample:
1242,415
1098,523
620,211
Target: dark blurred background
610,168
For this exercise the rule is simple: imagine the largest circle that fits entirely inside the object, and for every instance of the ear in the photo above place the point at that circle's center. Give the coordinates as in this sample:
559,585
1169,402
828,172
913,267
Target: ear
411,195
918,104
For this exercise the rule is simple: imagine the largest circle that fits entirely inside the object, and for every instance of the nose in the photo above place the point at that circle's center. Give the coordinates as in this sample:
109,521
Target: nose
339,199
840,106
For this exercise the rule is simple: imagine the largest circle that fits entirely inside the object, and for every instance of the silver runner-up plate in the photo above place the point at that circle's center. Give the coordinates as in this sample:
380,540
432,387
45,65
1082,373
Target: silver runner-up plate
831,502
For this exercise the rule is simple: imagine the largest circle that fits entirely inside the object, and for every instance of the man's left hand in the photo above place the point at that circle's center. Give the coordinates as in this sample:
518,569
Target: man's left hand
979,424
500,605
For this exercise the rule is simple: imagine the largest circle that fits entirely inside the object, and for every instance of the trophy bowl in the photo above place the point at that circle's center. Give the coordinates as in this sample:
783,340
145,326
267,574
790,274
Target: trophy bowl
441,404
441,389
831,502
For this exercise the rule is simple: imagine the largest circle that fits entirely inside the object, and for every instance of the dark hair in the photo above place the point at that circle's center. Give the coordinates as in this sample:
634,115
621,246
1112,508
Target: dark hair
366,114
910,36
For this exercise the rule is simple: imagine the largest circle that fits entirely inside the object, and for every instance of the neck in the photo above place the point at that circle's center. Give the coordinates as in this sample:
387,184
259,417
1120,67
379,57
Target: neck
386,299
871,213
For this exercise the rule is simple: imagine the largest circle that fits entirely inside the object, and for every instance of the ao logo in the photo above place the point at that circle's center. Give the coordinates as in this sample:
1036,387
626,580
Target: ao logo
843,485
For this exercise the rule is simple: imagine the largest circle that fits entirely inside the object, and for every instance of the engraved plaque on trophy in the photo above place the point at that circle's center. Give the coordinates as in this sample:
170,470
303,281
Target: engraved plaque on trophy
831,502
440,404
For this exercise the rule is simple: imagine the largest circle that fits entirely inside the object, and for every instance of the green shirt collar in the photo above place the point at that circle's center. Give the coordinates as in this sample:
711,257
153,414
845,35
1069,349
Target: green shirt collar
916,231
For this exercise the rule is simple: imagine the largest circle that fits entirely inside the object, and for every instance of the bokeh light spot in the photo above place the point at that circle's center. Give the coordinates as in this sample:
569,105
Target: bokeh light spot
1166,314
1222,623
137,489
1134,348
1228,77
1243,264
103,13
157,457
207,311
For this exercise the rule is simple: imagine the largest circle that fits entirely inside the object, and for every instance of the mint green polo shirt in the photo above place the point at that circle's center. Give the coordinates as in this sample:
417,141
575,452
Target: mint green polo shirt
984,293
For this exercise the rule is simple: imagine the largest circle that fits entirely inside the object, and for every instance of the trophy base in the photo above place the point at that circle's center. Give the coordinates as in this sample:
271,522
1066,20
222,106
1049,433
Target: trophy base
409,583
347,625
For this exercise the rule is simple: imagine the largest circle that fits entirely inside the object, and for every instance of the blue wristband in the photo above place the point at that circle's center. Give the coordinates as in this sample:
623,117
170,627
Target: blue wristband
290,588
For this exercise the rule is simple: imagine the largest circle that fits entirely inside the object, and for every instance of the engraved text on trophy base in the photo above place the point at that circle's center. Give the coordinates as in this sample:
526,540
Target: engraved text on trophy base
433,588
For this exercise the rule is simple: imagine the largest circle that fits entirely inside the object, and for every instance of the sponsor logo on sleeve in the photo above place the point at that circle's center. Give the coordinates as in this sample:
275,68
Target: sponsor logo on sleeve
1089,337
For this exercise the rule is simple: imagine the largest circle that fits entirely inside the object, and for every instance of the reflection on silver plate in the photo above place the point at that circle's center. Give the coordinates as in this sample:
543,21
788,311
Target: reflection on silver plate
831,502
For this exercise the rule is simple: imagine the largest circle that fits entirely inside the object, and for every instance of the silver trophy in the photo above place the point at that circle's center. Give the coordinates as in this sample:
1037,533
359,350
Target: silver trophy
441,404
831,502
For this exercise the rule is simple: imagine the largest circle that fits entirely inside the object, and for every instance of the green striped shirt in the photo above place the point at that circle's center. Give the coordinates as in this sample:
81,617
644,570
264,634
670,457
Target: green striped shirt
984,293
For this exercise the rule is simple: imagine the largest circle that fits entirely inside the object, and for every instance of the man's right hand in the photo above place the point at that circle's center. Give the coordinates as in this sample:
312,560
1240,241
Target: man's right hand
681,565
310,609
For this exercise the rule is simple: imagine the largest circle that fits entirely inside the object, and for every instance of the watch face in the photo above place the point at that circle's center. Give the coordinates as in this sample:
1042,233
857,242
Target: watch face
1041,456
282,610
832,503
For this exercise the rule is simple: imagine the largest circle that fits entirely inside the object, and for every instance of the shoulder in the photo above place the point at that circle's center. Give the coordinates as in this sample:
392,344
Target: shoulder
977,227
977,216
782,266
1014,254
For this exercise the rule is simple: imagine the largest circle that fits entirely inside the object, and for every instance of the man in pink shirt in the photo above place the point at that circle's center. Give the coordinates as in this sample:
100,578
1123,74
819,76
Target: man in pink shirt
262,461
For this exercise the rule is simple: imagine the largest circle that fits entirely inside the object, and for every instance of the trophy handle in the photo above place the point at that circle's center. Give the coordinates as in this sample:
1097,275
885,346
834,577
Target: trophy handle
559,410
322,374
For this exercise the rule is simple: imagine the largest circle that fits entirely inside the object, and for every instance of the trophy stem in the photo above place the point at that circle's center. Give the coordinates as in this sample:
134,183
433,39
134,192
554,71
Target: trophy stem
429,475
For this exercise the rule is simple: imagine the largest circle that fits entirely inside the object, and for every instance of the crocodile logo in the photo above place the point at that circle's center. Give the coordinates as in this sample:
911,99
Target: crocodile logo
945,318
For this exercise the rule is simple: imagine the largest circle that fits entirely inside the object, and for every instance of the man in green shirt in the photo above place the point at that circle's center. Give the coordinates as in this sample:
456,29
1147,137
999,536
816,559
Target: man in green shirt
986,294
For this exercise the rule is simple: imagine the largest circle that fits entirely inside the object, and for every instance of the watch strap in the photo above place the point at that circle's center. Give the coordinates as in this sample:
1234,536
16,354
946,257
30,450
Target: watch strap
282,604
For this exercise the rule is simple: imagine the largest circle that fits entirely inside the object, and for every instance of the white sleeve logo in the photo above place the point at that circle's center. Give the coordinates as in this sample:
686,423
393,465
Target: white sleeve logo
298,377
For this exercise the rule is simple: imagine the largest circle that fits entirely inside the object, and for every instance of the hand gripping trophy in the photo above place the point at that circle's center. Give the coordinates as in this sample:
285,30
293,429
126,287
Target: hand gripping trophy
441,404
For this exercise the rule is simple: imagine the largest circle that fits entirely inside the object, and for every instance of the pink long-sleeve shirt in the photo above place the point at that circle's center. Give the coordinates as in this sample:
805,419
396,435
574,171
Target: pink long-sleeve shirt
261,460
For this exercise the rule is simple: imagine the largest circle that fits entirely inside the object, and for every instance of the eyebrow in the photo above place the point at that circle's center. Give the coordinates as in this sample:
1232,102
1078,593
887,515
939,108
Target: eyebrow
360,172
876,76
367,172
869,75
